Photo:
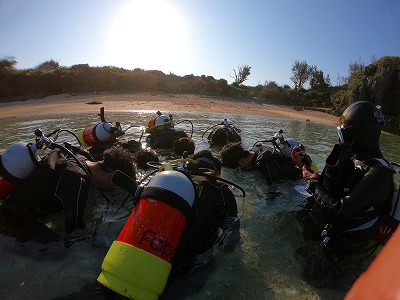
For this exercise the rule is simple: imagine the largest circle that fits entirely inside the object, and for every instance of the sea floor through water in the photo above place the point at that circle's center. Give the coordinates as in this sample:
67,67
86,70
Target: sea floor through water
262,266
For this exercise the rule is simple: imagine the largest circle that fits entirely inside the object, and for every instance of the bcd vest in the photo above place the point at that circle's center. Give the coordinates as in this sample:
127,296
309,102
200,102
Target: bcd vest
338,178
34,195
274,165
164,138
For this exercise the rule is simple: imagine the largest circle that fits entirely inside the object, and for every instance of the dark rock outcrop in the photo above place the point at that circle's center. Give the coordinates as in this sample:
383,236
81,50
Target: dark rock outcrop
380,84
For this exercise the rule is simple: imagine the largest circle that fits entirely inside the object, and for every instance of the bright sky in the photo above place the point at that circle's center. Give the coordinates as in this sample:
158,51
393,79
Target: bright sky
203,37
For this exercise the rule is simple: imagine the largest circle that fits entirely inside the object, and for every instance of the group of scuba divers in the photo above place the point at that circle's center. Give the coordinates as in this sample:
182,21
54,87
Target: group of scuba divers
183,208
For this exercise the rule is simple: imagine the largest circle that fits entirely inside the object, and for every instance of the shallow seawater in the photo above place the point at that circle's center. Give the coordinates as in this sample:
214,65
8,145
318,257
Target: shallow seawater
261,267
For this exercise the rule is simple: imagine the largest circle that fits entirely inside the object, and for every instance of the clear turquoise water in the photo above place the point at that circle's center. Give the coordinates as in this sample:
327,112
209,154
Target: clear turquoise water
261,267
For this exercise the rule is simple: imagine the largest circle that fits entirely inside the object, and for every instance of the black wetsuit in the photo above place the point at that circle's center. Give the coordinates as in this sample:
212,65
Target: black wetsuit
273,165
351,216
164,138
58,184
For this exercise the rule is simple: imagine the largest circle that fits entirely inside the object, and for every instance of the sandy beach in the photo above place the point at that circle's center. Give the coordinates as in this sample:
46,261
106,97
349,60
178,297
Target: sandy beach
91,103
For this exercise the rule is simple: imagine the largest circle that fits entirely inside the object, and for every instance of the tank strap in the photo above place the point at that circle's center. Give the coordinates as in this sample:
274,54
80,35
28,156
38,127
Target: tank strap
209,162
169,198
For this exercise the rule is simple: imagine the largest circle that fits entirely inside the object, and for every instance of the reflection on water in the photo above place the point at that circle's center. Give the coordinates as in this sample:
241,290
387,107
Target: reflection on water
262,267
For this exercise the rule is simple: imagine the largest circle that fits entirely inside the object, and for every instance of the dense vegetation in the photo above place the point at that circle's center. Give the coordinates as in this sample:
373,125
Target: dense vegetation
49,78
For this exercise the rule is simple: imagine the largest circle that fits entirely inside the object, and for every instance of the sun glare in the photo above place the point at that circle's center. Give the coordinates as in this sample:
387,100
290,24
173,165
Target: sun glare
147,34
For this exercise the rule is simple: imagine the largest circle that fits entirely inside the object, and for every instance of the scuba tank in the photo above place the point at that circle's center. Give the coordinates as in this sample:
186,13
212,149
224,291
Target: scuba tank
285,146
163,120
96,134
138,263
16,164
103,132
159,122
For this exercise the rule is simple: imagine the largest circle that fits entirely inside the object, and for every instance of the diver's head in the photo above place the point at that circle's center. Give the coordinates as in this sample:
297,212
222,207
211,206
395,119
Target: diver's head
183,144
219,136
143,156
360,127
232,153
114,159
205,159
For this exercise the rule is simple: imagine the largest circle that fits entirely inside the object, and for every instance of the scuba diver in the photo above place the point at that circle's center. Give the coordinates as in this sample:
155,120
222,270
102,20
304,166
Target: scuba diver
214,225
224,133
162,132
186,242
104,135
273,162
215,209
352,194
60,182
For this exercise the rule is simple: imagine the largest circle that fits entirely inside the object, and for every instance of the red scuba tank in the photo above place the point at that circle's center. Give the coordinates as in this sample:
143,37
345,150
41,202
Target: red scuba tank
16,163
150,124
138,263
96,134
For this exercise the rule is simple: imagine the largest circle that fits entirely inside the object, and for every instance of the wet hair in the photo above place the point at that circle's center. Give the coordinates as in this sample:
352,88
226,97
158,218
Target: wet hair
183,144
219,136
205,159
130,145
116,158
143,156
231,153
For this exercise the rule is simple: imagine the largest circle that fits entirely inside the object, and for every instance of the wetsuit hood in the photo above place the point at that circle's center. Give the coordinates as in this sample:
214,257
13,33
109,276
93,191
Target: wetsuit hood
362,129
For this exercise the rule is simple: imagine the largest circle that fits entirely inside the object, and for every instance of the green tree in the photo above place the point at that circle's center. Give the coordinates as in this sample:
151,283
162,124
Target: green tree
318,81
48,66
356,67
341,80
7,65
7,75
241,74
301,74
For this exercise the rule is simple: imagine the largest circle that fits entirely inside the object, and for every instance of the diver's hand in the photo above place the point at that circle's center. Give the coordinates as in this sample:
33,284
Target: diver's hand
298,156
308,173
